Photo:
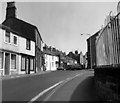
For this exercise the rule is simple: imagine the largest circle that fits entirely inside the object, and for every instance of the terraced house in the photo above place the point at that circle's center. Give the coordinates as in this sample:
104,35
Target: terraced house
20,47
51,59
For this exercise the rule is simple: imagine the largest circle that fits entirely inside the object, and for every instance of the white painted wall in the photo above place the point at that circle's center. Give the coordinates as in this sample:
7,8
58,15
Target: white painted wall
1,37
47,62
54,67
50,62
22,47
19,48
8,46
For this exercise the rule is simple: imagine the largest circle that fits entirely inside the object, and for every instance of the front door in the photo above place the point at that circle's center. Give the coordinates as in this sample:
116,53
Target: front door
7,63
27,65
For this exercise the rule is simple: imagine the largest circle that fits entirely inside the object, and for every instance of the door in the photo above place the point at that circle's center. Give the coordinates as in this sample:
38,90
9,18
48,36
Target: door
7,63
27,65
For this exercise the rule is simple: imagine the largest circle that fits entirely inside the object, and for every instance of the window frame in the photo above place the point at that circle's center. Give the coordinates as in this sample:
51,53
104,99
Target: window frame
15,62
32,65
7,32
22,63
1,68
28,42
16,38
52,64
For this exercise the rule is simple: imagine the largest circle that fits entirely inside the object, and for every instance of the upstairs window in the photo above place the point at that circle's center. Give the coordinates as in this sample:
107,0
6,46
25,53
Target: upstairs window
7,36
27,44
15,40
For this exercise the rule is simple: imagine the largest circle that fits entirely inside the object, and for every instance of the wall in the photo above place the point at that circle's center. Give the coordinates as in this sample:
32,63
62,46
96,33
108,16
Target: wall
50,62
11,49
22,47
8,46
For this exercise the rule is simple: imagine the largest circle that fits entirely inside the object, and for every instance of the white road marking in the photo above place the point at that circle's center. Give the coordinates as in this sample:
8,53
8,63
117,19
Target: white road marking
48,89
43,92
65,81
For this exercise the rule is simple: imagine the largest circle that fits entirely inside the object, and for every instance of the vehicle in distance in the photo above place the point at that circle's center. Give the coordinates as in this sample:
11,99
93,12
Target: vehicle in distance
74,67
60,68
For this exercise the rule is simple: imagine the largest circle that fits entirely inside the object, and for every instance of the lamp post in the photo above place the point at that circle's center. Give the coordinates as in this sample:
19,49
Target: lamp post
90,49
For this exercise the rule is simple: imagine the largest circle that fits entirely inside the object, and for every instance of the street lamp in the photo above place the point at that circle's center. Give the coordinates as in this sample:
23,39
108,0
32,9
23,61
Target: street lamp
90,49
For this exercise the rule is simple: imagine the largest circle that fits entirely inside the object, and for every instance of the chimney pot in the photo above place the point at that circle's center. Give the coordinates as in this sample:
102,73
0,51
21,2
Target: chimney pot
10,10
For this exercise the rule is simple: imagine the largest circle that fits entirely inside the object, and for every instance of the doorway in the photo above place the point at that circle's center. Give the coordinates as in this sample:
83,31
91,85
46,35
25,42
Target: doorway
7,63
27,65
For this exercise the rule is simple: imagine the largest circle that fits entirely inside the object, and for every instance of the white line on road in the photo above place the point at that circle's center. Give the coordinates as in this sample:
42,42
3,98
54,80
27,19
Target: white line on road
43,92
64,82
48,89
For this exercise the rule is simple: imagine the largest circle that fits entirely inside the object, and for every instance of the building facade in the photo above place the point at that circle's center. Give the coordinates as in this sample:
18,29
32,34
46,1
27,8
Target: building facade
15,56
51,57
23,41
51,62
91,50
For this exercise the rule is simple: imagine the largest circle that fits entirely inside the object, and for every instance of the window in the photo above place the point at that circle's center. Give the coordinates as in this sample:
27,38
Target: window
52,64
46,64
13,61
45,56
23,63
27,44
15,40
52,57
1,60
7,37
31,64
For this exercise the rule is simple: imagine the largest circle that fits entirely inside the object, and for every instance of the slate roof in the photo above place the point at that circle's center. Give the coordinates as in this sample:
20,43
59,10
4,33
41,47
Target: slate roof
22,28
8,28
48,52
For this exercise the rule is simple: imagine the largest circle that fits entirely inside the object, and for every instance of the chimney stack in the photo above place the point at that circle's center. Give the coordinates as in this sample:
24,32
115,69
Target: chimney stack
10,10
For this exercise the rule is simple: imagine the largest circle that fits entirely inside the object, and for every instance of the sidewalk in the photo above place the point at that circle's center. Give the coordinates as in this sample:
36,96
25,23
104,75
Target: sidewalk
23,75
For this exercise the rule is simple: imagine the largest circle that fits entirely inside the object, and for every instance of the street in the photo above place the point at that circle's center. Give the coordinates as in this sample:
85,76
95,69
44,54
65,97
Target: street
75,86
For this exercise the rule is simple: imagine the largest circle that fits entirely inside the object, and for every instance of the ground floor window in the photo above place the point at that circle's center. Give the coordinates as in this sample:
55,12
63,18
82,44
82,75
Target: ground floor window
13,61
31,64
23,63
27,63
1,60
46,64
52,64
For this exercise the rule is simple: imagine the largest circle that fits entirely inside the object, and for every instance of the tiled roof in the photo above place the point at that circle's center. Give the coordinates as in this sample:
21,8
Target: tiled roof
8,28
50,52
23,28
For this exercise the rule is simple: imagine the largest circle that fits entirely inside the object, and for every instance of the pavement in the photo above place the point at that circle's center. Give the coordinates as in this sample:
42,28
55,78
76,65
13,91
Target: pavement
23,75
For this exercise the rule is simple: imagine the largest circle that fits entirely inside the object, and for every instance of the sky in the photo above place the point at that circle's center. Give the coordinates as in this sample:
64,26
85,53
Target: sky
62,23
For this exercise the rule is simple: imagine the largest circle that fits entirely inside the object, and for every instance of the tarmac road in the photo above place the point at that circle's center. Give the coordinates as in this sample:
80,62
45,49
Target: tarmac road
81,88
26,88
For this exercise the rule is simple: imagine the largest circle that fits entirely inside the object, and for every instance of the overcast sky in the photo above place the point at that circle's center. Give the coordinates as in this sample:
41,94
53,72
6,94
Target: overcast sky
61,23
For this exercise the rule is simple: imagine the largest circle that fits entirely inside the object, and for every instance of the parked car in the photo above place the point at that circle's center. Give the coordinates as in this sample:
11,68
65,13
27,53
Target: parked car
60,68
74,67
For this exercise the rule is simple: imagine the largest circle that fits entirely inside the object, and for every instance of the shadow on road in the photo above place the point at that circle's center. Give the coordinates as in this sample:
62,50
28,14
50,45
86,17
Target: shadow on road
85,91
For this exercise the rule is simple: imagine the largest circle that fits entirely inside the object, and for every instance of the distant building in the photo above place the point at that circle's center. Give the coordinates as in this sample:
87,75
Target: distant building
85,60
91,50
51,59
81,58
74,56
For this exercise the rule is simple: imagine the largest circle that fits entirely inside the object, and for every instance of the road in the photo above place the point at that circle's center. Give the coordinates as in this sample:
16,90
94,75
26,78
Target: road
81,88
75,83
